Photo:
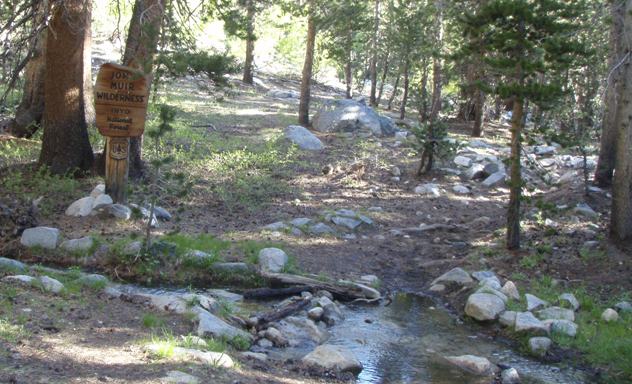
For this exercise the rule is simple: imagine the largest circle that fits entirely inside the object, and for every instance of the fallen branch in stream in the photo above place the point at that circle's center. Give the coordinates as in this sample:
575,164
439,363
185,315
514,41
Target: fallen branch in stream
269,293
343,290
261,320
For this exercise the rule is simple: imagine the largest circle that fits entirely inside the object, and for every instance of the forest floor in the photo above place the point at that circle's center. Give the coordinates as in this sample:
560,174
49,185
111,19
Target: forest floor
245,175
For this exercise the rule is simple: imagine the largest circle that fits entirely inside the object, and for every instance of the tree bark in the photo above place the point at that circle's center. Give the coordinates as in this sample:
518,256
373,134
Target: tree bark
140,49
250,44
607,149
479,109
373,65
383,80
28,116
621,215
390,99
348,79
68,90
423,108
402,108
437,65
303,108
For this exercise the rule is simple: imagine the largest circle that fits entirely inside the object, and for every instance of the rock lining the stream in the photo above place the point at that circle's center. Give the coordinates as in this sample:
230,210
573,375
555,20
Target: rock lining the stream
475,365
333,357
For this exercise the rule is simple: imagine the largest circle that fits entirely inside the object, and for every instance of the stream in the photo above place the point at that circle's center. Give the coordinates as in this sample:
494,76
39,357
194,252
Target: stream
404,342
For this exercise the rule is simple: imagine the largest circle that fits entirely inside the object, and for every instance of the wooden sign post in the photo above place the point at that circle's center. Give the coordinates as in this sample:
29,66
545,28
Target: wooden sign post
120,97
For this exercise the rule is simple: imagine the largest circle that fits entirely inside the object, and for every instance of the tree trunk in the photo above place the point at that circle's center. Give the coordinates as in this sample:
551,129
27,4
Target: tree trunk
373,65
303,108
250,44
423,108
402,108
384,73
140,48
68,90
348,79
28,116
621,215
390,99
605,163
479,109
437,65
515,187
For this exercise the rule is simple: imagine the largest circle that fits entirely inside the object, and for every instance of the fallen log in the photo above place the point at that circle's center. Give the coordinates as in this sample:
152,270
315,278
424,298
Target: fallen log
261,320
342,290
269,293
429,228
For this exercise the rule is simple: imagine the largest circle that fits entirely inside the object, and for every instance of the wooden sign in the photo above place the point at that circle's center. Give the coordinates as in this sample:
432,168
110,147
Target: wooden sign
120,99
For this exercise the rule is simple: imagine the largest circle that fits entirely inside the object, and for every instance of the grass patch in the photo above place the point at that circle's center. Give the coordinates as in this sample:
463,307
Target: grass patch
149,320
201,242
12,333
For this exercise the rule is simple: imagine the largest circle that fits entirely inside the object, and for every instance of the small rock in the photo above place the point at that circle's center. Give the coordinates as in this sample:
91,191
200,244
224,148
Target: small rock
491,168
437,288
539,345
133,248
495,179
302,137
321,229
44,237
623,307
92,279
569,299
475,172
482,275
277,226
177,377
475,365
510,290
212,326
541,150
162,214
395,171
347,222
484,306
51,285
119,211
508,319
276,337
463,161
101,201
254,356
315,313
534,303
461,189
510,376
22,279
272,259
609,315
300,221
81,207
428,189
370,280
556,313
265,343
490,290
562,327
78,245
225,295
585,210
333,357
98,190
456,275
526,322
491,282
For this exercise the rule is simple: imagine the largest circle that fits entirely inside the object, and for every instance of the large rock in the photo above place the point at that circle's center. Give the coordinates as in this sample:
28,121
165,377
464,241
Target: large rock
556,313
101,201
623,307
508,319
388,126
51,285
534,303
320,229
347,116
484,306
570,300
78,245
98,190
474,172
303,138
81,207
562,327
272,259
526,322
456,275
539,346
212,326
510,376
495,179
510,290
44,237
347,222
333,357
11,265
475,365
119,211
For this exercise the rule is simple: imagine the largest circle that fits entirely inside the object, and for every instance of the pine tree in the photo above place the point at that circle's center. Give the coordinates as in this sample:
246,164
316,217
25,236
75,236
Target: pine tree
521,40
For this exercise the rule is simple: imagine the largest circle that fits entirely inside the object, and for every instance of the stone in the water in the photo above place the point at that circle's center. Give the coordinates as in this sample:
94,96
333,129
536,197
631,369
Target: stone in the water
51,285
556,313
272,259
101,201
534,303
333,357
428,189
119,211
210,325
475,365
346,222
177,377
623,307
78,245
98,190
539,345
562,327
11,265
81,207
609,315
510,376
510,290
508,318
526,322
276,337
456,275
315,313
321,229
484,306
44,237
570,300
303,138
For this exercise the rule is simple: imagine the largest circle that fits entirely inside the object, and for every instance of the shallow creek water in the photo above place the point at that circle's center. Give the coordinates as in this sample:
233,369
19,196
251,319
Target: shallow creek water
404,342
